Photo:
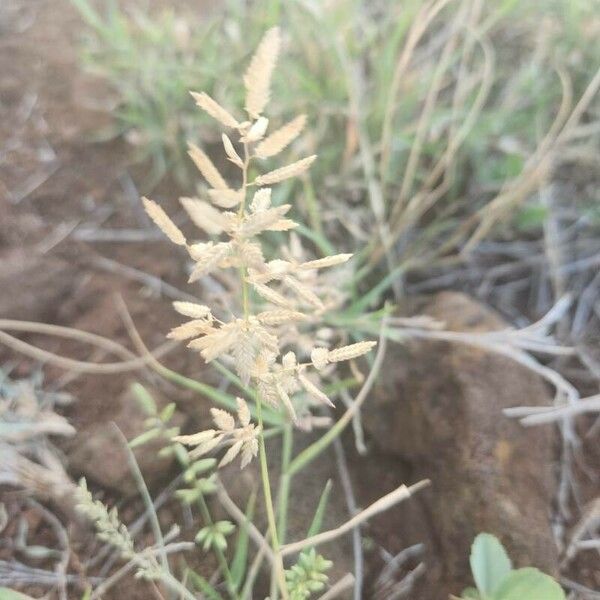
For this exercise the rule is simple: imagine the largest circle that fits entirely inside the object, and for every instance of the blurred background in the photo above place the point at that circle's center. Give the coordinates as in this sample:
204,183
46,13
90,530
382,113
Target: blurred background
458,145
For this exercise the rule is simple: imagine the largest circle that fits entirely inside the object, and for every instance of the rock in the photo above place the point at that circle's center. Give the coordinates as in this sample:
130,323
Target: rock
437,413
96,451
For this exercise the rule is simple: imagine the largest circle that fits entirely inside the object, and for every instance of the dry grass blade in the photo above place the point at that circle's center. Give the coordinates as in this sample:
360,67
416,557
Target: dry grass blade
293,170
281,138
214,109
160,218
257,79
206,167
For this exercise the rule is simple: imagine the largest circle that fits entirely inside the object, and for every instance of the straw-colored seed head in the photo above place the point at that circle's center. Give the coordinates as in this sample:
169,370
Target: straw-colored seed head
349,352
196,438
223,420
293,170
206,167
214,109
278,140
191,309
328,261
204,215
257,79
257,131
271,295
226,198
160,218
319,358
243,412
233,156
313,390
261,200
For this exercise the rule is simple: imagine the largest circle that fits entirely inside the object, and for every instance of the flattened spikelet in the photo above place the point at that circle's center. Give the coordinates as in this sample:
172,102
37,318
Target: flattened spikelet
160,218
261,200
263,220
195,438
271,295
231,453
276,317
206,167
223,420
349,352
281,138
226,198
191,309
313,390
303,291
233,156
328,261
293,170
257,79
190,329
214,109
243,412
204,215
319,358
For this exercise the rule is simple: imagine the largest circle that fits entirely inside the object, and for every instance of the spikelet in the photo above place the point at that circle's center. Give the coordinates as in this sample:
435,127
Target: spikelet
160,218
223,420
271,295
207,257
257,79
190,329
231,453
328,261
257,131
261,200
319,358
191,309
196,438
281,138
283,225
274,318
204,215
226,198
206,167
293,170
313,390
263,220
206,447
303,292
232,155
214,109
243,411
351,351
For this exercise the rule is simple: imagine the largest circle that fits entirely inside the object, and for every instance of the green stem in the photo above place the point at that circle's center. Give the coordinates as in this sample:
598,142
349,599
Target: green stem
264,472
284,482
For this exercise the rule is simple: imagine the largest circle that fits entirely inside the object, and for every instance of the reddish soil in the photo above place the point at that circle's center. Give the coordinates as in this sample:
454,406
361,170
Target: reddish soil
53,178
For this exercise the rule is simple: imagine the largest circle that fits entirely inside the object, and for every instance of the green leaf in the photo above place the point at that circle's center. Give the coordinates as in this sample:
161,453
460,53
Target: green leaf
144,397
167,412
530,584
470,593
317,521
489,563
144,438
8,594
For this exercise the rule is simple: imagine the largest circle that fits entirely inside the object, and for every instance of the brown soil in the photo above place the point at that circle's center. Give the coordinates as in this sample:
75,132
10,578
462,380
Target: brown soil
52,178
